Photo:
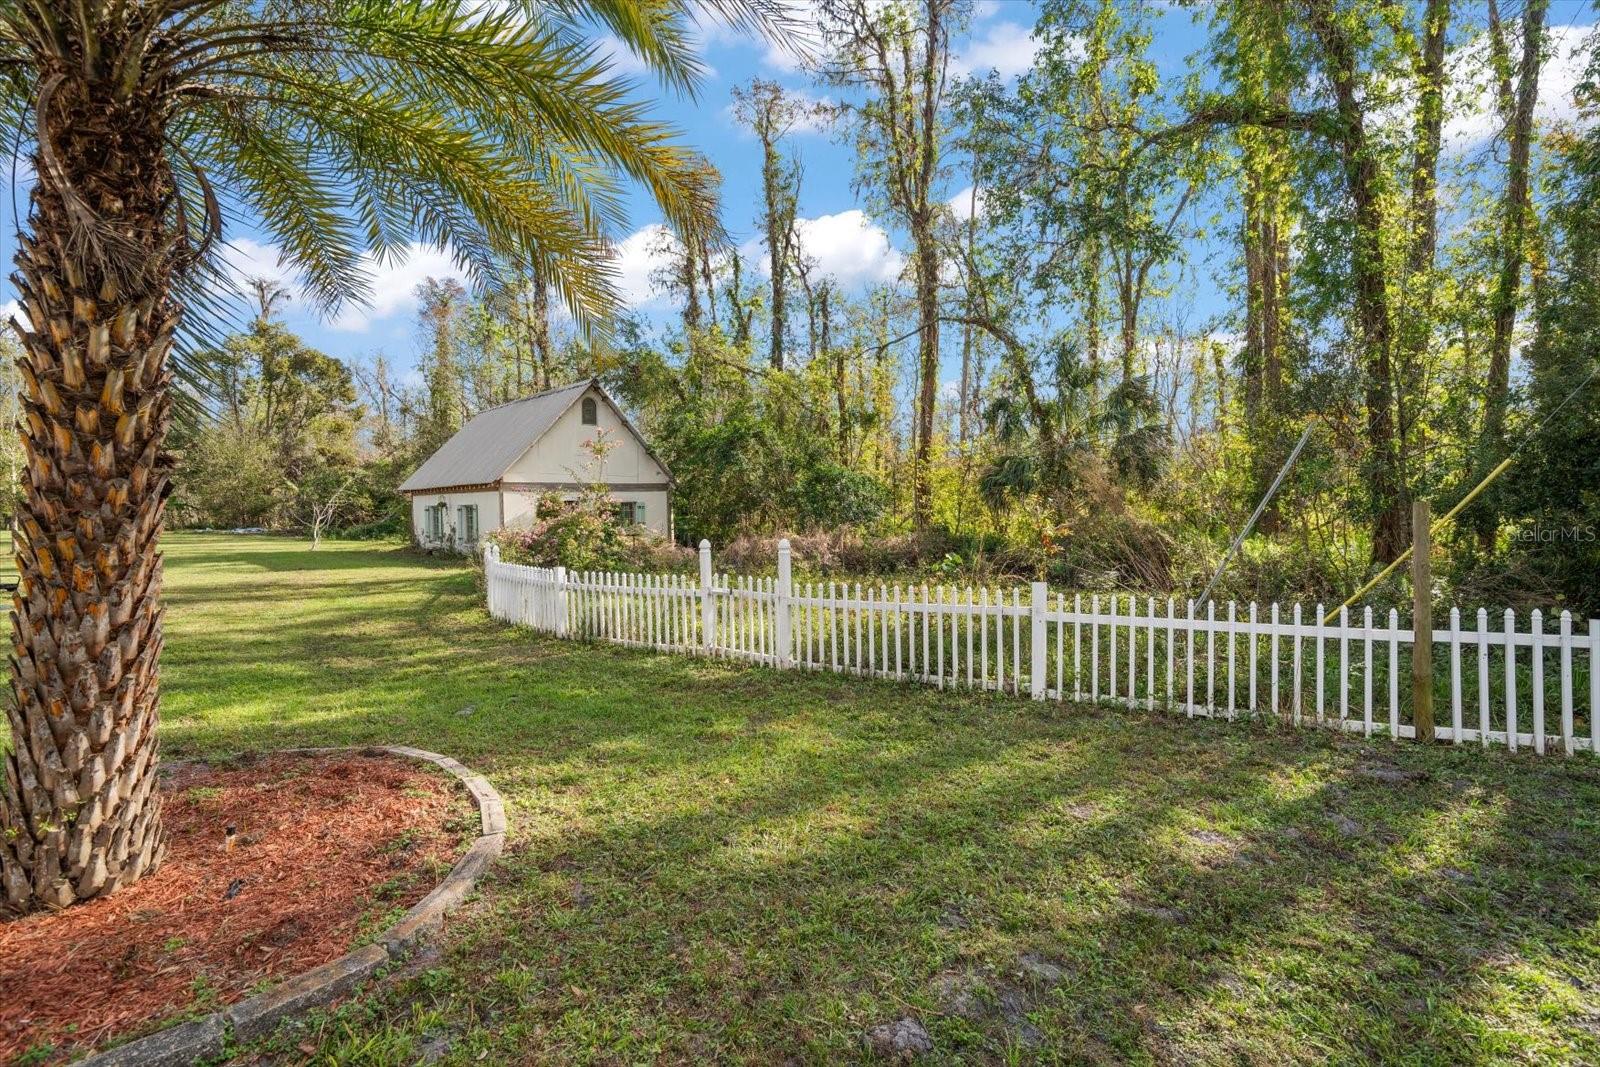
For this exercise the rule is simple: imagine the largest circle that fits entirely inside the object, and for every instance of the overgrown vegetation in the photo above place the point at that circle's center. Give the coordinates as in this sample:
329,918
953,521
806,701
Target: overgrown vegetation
1421,297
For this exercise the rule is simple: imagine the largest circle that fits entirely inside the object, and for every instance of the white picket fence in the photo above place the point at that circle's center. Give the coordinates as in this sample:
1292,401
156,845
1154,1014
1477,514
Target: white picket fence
1492,686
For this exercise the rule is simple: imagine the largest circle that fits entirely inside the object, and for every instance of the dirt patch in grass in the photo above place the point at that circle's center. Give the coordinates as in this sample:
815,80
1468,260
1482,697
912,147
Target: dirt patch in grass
327,850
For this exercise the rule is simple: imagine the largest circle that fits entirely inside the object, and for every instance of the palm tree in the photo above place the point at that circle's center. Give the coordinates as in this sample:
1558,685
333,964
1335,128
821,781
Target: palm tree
346,129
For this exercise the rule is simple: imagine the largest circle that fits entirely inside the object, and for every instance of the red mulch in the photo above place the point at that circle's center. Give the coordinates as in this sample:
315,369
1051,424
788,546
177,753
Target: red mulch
328,846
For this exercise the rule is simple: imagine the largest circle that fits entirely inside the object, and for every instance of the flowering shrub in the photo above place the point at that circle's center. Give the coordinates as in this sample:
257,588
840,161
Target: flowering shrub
585,535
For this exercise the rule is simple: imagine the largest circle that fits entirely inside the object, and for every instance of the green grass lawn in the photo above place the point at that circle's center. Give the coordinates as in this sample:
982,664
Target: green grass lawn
721,863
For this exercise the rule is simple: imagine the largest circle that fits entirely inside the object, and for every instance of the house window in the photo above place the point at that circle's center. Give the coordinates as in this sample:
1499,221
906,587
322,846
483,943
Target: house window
467,523
435,520
629,512
591,412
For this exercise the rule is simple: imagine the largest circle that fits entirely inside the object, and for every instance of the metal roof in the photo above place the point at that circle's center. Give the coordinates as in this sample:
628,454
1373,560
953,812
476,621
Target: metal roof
485,448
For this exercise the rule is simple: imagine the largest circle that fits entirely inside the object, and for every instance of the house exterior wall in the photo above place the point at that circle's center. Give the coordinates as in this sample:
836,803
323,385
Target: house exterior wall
489,516
521,506
559,462
560,456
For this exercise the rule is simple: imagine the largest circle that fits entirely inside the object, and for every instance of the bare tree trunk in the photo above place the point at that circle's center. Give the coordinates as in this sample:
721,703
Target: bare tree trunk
777,246
927,374
1516,206
703,256
1128,304
80,815
1091,309
1416,323
966,331
1266,256
541,331
1384,483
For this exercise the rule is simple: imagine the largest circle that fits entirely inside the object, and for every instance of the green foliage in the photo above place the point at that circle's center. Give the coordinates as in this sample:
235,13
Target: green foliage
829,495
1554,496
751,448
229,479
282,435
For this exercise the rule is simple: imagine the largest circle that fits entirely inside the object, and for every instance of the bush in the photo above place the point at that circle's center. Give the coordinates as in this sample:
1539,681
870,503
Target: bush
831,495
584,535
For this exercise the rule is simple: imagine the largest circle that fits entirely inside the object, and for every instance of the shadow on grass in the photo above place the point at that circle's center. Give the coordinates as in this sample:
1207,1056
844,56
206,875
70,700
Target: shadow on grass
720,863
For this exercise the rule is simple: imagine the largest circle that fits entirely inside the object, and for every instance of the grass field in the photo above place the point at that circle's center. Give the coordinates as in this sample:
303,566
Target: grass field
716,863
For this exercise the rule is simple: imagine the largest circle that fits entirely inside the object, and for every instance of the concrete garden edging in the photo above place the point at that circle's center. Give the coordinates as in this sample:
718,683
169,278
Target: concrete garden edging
255,1018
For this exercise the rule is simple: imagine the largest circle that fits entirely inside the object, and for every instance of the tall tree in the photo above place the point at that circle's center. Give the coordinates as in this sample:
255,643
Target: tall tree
1363,185
345,128
442,305
539,330
1256,56
771,113
899,53
1559,486
1516,209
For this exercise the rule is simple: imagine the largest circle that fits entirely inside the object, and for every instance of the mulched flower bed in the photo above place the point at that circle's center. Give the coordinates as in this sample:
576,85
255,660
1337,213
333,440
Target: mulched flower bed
329,849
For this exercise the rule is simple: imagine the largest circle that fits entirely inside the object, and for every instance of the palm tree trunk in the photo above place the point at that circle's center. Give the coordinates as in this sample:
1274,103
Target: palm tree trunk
79,813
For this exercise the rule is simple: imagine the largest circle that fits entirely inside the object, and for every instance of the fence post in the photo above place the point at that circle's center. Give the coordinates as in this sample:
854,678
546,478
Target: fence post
560,605
1421,622
780,608
1037,605
491,555
708,609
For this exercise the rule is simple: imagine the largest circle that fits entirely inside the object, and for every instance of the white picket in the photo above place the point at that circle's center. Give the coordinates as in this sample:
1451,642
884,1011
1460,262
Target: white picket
1483,676
1149,657
1394,674
939,635
1566,683
1211,656
1536,629
1188,659
1510,636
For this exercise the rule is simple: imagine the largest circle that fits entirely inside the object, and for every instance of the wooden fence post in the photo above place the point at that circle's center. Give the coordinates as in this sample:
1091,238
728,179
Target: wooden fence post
1037,606
708,607
780,602
1421,622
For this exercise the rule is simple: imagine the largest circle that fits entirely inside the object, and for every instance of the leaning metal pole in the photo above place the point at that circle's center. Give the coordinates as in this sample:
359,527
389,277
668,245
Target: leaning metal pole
1251,524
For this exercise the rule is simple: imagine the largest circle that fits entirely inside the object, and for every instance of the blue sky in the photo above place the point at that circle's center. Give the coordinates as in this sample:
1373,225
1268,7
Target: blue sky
836,231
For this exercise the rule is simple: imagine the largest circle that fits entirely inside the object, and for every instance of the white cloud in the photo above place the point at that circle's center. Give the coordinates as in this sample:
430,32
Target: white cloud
13,310
247,258
622,59
1473,117
848,247
786,55
394,284
961,205
1005,47
638,259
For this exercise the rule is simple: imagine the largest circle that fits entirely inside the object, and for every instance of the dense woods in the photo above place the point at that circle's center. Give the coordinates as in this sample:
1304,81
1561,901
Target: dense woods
1407,243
